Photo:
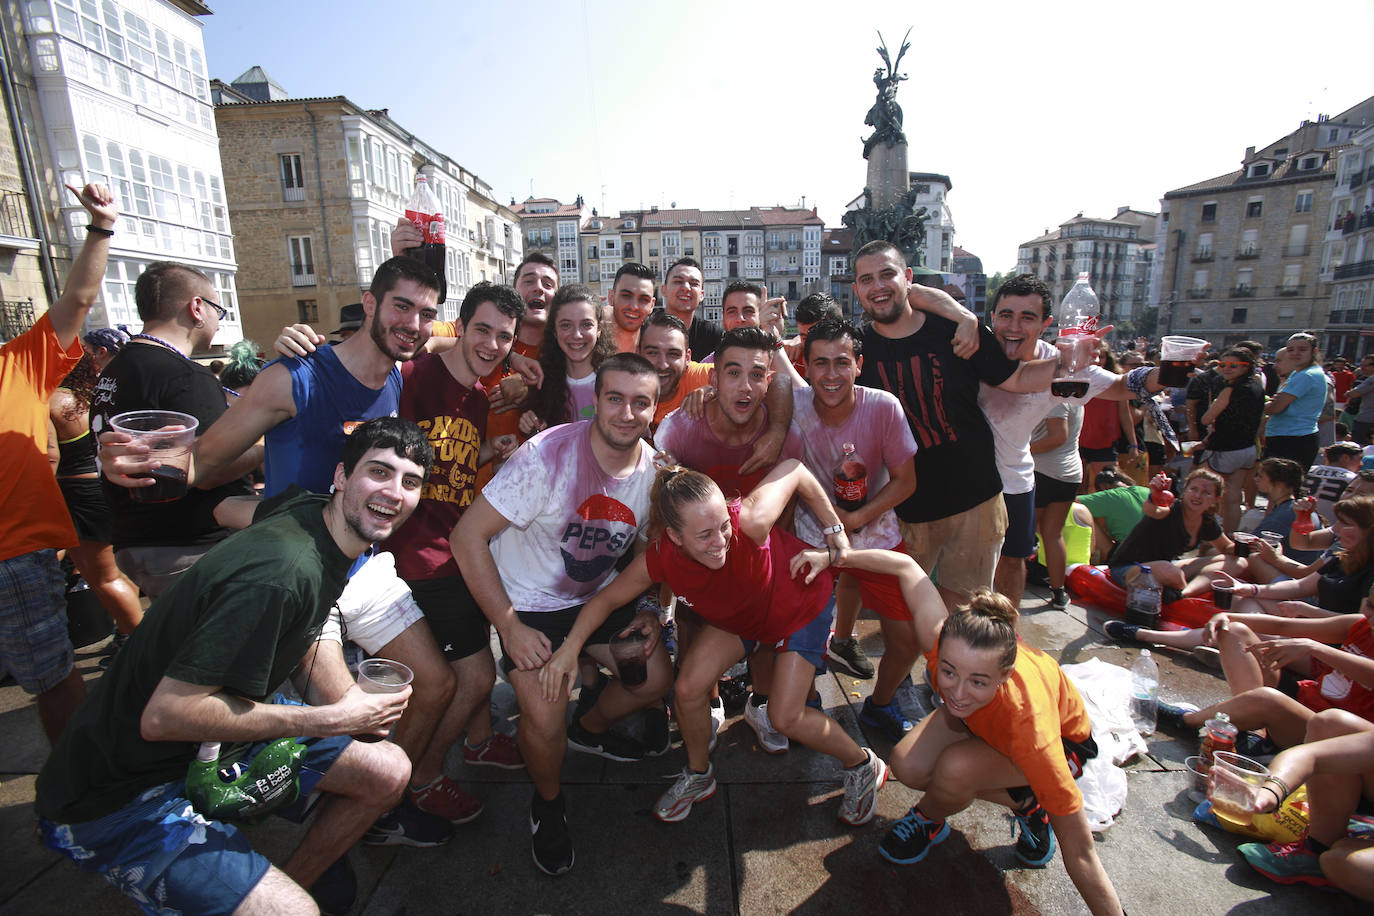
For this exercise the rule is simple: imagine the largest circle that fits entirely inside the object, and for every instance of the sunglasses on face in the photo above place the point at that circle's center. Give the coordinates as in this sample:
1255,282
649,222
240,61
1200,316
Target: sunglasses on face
1233,365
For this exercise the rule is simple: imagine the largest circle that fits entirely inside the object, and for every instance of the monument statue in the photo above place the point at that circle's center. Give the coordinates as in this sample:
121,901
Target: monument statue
885,117
889,209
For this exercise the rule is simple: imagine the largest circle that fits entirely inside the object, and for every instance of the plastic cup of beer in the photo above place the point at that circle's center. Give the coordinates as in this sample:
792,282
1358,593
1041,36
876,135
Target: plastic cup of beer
1273,539
1233,786
630,661
1244,542
1176,355
169,436
382,675
1222,592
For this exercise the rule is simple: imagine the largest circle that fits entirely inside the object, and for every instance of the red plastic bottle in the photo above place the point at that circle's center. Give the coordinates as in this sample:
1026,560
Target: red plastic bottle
424,211
1160,494
851,480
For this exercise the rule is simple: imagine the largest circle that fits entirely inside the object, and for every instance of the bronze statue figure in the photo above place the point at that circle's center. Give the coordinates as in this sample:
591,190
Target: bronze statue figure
885,117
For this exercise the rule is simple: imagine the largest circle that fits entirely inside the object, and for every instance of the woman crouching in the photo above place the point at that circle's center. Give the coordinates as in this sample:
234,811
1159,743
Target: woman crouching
1011,730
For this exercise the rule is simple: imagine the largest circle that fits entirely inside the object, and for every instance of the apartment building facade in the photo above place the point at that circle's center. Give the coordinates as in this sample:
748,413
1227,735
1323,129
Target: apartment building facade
316,186
1116,252
116,92
1348,250
1243,257
551,227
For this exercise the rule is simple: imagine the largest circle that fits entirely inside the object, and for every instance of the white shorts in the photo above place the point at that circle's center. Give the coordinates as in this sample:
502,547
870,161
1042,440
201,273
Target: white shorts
375,607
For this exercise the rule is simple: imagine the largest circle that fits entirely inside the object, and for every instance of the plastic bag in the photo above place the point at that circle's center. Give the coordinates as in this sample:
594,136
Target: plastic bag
1106,692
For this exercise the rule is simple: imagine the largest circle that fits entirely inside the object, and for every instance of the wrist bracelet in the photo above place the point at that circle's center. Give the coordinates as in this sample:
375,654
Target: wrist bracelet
1281,784
91,227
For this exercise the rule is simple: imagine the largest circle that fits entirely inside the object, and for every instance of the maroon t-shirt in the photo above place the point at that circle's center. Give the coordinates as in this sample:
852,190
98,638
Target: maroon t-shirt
454,418
753,595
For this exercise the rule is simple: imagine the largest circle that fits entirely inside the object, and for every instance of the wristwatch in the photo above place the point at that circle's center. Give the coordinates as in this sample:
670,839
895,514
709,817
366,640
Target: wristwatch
833,529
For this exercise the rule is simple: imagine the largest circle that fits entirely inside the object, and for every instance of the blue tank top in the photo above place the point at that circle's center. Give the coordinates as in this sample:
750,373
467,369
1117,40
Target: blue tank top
330,402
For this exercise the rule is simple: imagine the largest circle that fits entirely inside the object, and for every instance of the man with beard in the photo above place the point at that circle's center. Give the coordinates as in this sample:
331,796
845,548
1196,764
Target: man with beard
543,537
663,342
201,667
303,407
954,523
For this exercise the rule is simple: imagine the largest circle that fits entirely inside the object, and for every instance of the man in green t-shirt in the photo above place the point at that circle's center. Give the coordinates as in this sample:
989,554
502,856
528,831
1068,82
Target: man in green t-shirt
1116,507
202,666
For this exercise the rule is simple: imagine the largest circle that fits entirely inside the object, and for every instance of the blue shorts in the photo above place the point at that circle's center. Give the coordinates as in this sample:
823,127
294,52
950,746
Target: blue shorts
810,642
1020,537
34,646
166,857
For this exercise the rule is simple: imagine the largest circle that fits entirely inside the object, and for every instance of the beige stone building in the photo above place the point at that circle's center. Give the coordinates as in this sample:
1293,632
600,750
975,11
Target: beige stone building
315,186
1243,256
1115,252
551,227
23,295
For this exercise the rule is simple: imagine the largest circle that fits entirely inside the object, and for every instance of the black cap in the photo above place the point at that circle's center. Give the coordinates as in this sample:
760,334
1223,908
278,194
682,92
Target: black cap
350,318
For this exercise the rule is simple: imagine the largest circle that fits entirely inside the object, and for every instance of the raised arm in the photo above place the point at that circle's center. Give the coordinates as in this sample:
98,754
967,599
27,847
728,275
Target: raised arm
779,403
761,509
68,313
938,302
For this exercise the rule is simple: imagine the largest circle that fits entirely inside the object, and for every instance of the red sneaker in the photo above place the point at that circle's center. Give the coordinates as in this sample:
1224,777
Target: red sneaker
500,750
443,798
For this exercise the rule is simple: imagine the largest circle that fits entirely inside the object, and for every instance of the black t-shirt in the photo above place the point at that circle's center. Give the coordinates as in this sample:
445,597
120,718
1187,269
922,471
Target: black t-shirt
1204,386
241,618
955,464
151,377
1162,539
703,337
1340,591
1239,423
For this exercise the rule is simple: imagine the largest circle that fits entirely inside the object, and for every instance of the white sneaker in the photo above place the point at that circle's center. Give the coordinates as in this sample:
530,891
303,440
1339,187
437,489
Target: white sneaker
770,739
861,785
689,788
717,720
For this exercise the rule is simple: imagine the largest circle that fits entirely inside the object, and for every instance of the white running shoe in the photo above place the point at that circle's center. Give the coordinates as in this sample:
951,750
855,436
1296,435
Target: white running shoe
861,785
770,739
688,789
717,720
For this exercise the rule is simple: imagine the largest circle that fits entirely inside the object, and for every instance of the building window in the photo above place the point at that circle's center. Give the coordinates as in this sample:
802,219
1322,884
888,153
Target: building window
307,311
1304,202
292,180
1259,170
1253,209
1209,213
1238,315
302,257
1308,163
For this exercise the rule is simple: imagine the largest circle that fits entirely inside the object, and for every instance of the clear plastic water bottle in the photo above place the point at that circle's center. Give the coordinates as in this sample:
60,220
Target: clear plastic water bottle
1144,693
1144,599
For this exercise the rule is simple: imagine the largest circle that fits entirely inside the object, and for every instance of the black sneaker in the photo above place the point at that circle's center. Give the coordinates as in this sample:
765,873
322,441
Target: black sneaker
117,641
407,825
1120,630
550,844
1255,745
848,655
911,837
335,891
657,740
1171,715
607,744
1035,845
1059,599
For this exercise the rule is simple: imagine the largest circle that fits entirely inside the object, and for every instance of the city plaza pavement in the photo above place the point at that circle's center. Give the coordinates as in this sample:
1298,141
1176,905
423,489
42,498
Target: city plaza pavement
768,842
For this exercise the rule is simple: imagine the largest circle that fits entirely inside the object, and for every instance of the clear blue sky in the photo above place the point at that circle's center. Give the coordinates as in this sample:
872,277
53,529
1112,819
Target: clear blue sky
1036,111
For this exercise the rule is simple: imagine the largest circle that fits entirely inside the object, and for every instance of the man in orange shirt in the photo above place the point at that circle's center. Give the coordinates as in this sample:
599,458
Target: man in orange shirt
663,342
34,523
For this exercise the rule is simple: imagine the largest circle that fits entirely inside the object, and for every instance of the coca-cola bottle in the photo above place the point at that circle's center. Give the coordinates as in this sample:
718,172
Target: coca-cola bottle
424,211
1077,341
851,480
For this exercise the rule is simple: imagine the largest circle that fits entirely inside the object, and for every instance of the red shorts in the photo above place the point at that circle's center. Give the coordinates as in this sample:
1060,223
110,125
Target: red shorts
882,593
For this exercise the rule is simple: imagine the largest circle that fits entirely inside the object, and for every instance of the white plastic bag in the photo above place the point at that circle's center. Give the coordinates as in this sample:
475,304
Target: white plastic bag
1106,692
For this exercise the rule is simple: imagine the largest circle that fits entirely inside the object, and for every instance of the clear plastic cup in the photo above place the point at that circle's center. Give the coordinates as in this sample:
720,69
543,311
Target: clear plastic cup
1198,769
1273,539
169,436
1176,355
1233,786
1244,543
381,675
1222,592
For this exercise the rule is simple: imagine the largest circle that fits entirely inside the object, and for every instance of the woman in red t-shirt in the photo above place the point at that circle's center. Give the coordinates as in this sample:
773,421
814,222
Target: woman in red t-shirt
732,563
1011,729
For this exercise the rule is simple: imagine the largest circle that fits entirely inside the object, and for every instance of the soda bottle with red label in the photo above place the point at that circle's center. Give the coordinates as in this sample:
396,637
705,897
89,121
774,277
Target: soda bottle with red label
424,211
851,480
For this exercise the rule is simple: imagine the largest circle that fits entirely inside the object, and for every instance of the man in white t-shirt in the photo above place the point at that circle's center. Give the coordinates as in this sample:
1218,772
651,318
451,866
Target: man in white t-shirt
831,414
1326,483
1021,311
543,537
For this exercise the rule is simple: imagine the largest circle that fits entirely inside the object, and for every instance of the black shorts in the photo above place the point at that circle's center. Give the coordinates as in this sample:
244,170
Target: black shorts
1053,490
1090,455
460,628
87,507
556,625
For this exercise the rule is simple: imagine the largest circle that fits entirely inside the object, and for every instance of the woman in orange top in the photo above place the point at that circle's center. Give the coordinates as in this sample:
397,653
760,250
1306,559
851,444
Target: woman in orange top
1011,730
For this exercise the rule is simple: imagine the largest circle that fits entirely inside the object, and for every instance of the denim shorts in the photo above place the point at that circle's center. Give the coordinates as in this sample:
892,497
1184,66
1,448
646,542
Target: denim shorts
166,857
810,642
34,646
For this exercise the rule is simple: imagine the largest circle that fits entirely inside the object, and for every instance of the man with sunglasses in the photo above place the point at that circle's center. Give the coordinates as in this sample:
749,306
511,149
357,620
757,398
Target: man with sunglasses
156,542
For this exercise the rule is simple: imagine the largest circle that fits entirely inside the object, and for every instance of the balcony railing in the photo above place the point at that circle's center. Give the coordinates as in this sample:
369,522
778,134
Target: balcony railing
12,220
1201,292
1351,271
16,317
289,193
1242,292
1289,290
1248,253
301,277
1202,255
